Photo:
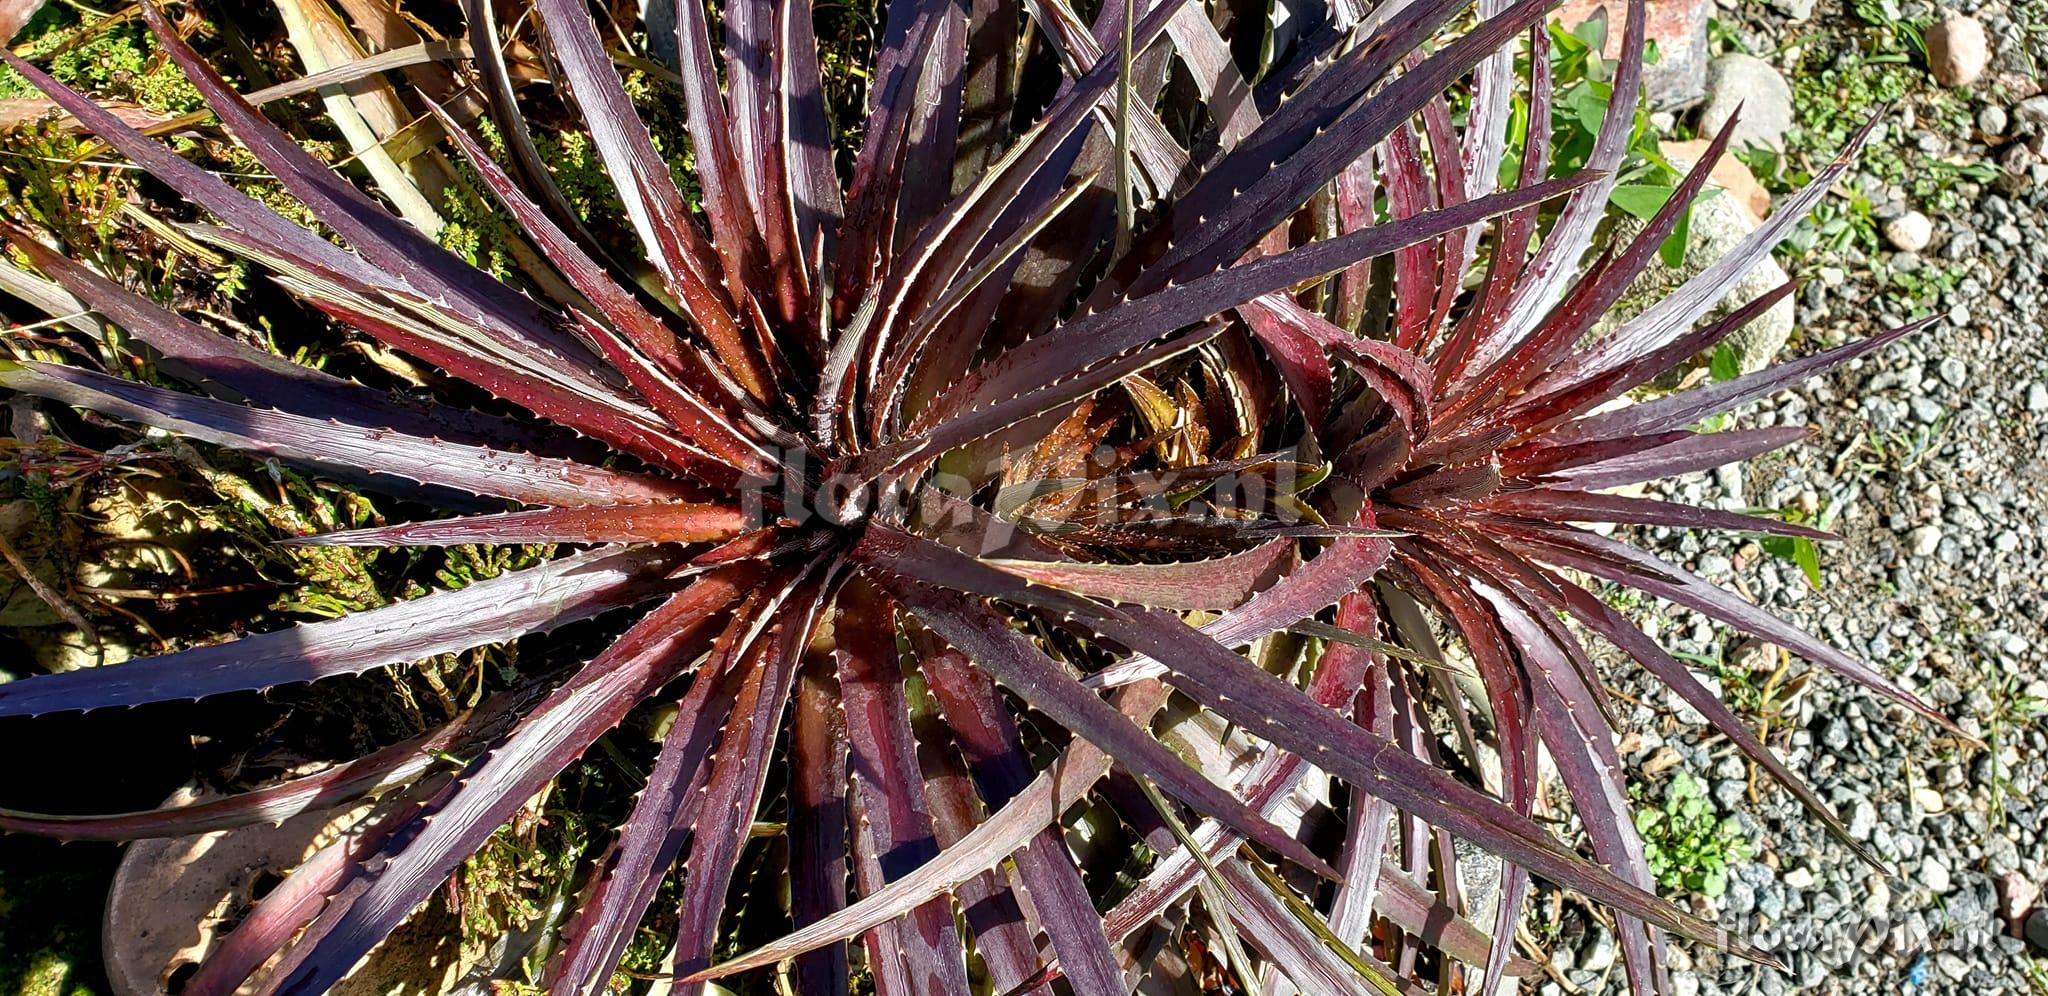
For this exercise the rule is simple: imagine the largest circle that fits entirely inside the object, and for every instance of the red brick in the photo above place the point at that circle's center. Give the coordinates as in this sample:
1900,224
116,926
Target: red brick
1679,29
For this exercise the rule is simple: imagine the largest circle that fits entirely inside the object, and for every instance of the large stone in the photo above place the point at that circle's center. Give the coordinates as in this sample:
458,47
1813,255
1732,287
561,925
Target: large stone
1957,51
1934,874
1598,953
1992,120
659,16
1924,540
1754,94
1679,29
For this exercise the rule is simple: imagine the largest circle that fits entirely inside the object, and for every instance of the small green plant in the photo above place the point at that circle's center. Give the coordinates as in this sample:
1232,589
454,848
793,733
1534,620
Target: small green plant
1896,452
2014,709
1919,292
1583,88
1835,226
1884,15
111,55
1798,550
1688,844
1722,37
1762,690
2037,976
1726,363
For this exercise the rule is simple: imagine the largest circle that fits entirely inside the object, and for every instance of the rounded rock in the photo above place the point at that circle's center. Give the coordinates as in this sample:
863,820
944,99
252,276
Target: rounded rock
1909,232
1754,87
1957,51
2037,929
1992,120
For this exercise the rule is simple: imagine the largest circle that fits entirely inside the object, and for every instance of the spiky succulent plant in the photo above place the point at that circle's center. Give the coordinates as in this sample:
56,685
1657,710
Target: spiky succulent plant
1062,390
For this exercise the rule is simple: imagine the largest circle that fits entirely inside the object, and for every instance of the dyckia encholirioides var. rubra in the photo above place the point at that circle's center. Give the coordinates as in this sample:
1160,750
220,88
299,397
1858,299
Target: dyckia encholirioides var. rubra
1001,407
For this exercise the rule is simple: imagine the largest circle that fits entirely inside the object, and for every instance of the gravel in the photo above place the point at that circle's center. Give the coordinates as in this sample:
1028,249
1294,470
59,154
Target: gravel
1930,459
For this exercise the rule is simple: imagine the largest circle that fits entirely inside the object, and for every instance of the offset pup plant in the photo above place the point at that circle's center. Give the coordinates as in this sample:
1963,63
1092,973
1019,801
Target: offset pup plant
974,430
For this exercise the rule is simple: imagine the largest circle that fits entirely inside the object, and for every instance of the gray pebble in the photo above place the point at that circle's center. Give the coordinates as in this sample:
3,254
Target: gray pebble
1935,876
2032,113
1598,954
1924,540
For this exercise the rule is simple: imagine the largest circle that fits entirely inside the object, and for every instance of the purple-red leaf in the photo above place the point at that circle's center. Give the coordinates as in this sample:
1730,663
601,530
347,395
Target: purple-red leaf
1219,584
1557,505
1622,564
975,629
981,723
323,443
1039,805
649,522
1687,407
732,791
371,774
893,835
1278,712
462,816
431,271
490,611
818,815
256,375
653,202
630,871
